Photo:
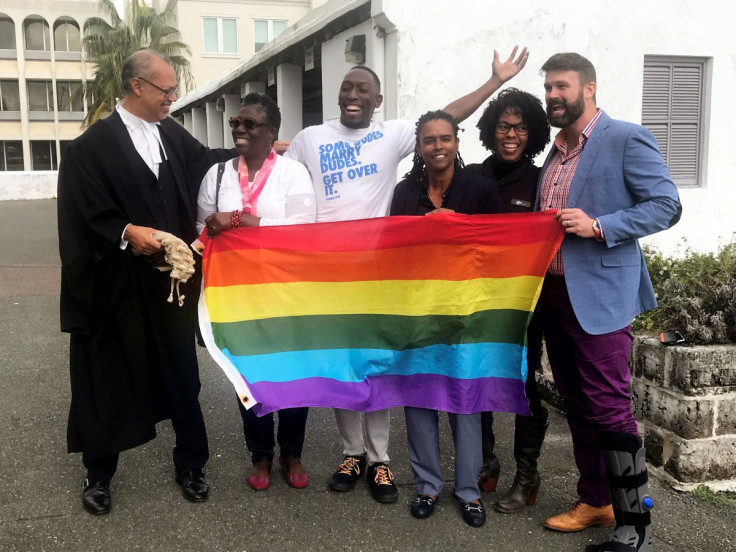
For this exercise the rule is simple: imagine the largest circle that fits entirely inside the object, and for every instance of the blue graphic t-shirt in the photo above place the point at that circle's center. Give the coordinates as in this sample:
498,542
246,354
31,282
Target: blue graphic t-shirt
353,170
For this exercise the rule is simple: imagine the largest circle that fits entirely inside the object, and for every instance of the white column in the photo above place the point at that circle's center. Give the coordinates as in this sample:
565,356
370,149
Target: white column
289,94
214,125
253,86
188,122
199,124
232,108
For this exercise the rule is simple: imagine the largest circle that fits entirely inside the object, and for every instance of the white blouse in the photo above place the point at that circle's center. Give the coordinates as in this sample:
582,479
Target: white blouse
287,196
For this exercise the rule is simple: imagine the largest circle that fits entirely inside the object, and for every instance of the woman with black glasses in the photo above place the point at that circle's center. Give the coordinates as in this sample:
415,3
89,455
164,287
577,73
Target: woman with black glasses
514,128
261,188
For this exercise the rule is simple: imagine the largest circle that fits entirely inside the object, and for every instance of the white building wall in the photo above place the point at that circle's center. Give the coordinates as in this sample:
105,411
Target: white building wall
334,66
443,54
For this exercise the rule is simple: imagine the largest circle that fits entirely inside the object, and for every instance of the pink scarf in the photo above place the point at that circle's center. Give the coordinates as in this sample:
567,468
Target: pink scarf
252,190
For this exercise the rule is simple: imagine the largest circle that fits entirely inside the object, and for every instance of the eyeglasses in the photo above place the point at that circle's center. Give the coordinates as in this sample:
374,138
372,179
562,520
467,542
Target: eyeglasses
247,122
167,91
520,128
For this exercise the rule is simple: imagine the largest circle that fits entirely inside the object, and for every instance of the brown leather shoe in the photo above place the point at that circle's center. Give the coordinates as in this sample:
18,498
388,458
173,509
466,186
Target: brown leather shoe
581,517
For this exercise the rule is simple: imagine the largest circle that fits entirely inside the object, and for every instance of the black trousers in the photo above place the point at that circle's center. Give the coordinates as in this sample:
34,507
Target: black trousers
259,433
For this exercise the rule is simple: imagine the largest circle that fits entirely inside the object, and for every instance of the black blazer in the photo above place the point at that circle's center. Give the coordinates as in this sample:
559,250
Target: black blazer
471,194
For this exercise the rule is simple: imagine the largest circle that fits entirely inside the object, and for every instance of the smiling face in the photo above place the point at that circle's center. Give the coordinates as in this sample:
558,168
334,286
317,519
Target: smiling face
254,143
437,145
359,96
565,96
510,147
153,104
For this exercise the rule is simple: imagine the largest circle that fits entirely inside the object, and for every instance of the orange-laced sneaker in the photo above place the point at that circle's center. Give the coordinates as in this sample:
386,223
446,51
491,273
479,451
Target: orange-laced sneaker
381,481
347,473
581,517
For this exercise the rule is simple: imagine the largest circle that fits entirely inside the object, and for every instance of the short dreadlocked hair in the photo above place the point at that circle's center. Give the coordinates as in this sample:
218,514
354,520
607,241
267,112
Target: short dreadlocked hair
417,170
525,105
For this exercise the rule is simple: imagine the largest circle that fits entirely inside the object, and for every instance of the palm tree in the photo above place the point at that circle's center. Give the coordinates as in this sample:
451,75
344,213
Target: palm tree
107,44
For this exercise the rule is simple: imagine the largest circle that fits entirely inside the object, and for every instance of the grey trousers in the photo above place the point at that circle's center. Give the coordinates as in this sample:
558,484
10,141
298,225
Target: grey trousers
350,426
424,452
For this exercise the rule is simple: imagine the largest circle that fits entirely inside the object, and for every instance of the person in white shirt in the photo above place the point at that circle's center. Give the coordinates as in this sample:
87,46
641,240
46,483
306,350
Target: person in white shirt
132,354
353,163
261,188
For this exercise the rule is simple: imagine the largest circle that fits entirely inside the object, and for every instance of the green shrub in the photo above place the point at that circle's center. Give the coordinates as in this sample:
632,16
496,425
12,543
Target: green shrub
696,293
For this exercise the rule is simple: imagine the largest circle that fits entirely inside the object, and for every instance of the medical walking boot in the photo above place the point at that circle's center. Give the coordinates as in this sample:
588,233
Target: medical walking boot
626,470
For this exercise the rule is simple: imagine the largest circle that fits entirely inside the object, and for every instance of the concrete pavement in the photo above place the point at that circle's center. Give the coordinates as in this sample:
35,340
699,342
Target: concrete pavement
40,484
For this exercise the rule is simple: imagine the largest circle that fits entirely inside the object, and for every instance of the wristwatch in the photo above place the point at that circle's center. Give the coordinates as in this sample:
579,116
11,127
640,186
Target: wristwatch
597,231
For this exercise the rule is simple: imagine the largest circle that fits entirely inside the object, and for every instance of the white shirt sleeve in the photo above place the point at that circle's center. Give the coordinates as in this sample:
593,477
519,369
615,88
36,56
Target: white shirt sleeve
206,198
300,206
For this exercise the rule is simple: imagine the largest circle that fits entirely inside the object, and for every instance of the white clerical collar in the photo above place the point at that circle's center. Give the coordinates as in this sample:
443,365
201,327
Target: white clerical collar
150,131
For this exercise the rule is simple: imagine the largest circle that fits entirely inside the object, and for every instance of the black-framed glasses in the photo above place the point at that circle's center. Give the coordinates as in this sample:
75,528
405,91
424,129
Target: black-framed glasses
522,129
167,91
247,122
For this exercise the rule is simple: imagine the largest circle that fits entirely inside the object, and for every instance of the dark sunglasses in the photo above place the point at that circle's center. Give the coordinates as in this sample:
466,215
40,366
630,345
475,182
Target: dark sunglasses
247,122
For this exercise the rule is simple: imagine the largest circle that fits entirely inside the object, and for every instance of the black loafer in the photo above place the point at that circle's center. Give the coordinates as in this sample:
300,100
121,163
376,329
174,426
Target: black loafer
422,506
473,514
193,486
96,497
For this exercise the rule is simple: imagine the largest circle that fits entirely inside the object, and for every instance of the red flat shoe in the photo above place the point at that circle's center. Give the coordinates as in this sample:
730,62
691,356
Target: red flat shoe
296,480
260,482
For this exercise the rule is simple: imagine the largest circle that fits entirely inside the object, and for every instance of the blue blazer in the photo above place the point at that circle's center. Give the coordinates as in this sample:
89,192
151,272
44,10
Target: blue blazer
622,180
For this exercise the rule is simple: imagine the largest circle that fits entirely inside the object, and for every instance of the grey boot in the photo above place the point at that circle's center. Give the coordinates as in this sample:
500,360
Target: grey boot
627,474
488,477
528,438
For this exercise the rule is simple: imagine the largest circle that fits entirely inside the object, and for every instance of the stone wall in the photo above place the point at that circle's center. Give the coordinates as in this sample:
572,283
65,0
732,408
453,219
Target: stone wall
685,400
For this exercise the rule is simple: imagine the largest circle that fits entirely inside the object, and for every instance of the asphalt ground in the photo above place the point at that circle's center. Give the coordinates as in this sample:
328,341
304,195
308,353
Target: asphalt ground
40,484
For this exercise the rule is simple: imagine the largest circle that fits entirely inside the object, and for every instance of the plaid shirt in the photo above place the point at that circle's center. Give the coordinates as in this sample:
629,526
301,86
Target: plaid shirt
557,178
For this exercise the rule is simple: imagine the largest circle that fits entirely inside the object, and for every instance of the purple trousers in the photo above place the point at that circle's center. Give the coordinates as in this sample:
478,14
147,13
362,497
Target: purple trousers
592,375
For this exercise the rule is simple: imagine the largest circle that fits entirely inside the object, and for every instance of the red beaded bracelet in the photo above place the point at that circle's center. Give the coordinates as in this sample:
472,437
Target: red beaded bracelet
235,219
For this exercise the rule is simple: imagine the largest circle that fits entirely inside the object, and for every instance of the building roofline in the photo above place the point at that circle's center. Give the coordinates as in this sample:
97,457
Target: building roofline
321,21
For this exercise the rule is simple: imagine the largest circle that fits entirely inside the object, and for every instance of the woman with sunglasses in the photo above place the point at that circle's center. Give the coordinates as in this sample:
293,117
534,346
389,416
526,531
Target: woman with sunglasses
437,184
261,188
514,128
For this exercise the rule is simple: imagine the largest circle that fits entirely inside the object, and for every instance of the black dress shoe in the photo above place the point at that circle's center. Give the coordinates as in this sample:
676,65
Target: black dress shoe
473,514
422,506
193,486
96,497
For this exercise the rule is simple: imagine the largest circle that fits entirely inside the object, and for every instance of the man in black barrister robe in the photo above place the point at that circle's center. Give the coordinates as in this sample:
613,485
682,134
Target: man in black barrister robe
132,354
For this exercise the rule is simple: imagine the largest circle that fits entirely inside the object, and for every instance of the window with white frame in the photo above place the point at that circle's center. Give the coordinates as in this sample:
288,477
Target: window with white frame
9,95
7,33
66,35
11,155
69,96
36,32
265,30
40,96
219,35
673,108
43,155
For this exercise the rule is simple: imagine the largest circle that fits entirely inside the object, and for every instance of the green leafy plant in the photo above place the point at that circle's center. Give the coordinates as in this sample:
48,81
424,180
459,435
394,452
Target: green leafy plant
107,44
696,293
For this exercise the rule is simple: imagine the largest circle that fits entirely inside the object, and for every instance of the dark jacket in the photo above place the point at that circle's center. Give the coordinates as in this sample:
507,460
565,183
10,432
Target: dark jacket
470,194
518,188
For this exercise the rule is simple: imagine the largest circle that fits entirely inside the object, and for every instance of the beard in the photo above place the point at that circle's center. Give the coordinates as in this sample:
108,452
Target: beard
572,112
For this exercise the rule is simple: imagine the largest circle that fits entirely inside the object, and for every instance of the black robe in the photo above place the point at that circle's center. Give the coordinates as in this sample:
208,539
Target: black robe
125,338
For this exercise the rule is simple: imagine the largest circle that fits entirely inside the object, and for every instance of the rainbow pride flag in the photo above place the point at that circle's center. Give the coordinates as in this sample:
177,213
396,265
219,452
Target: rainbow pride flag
370,314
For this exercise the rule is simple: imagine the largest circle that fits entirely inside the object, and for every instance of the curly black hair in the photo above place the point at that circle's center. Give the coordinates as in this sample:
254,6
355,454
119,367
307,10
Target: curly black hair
525,105
417,170
269,107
